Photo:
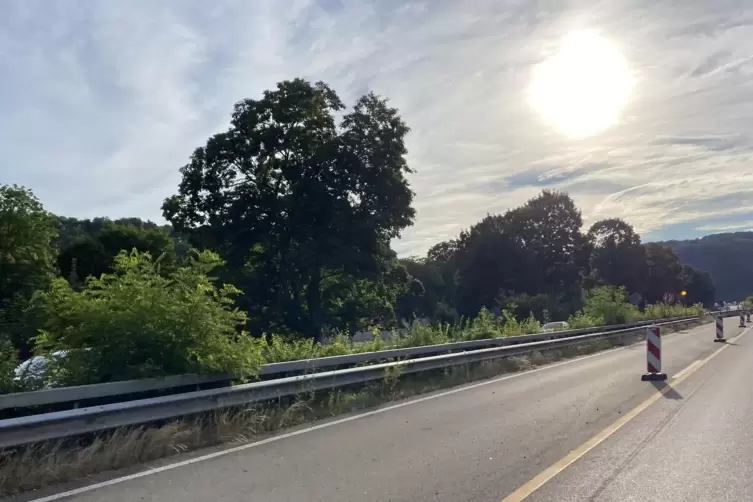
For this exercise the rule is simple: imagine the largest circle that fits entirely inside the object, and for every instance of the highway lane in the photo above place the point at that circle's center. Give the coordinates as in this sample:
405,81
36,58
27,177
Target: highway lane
476,444
694,444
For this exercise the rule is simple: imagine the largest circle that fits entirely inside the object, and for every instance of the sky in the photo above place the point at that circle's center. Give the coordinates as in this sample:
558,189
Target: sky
101,102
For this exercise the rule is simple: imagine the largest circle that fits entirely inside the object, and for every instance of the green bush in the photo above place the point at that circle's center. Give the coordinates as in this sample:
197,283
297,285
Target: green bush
581,320
137,323
610,304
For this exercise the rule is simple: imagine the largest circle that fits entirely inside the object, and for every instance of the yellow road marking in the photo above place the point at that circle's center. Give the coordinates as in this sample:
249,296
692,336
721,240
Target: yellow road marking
562,464
689,368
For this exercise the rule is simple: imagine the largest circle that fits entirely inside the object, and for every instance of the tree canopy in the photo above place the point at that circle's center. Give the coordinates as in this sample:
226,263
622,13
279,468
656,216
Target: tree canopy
300,202
535,259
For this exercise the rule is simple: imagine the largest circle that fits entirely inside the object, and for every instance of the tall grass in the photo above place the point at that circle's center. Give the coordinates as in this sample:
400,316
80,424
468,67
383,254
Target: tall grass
599,311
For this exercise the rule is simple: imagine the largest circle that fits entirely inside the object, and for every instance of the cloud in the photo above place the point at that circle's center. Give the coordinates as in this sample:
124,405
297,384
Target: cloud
745,226
103,102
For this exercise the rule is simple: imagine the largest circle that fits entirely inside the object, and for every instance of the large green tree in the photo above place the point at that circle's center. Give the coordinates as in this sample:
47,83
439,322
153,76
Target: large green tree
430,291
664,273
491,264
530,259
548,229
617,256
292,199
27,262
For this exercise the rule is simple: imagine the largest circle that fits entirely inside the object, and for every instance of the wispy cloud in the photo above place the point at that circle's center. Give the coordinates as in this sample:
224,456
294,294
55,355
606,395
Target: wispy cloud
101,102
745,226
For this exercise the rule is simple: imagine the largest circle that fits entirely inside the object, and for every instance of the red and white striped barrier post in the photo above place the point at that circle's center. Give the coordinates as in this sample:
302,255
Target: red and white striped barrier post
719,329
653,354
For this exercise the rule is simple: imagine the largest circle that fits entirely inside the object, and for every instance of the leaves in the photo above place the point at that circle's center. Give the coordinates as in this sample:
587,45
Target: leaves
617,256
136,322
295,200
26,262
92,245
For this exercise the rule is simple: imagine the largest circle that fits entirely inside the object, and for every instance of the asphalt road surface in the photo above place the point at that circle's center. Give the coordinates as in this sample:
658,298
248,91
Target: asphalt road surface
689,440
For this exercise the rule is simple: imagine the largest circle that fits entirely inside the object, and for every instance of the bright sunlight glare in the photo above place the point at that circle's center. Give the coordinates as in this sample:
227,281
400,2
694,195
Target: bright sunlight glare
583,88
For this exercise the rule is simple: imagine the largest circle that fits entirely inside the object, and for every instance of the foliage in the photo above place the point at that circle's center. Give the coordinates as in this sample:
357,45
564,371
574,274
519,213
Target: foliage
26,262
548,228
88,248
137,323
617,257
582,320
296,200
664,310
8,363
603,301
608,305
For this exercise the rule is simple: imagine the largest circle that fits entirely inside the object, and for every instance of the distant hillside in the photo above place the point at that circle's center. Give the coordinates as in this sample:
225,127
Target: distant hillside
727,257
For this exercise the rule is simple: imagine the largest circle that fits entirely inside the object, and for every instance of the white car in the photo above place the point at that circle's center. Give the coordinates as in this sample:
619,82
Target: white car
554,326
32,372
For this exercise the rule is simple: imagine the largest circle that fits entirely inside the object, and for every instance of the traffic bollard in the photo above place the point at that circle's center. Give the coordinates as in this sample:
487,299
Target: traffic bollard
742,320
719,329
653,355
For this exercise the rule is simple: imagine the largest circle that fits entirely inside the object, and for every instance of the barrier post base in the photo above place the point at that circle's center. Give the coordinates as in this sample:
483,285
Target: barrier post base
722,340
653,377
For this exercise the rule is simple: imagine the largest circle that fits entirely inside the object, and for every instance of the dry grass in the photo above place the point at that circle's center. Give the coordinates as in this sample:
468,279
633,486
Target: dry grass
50,462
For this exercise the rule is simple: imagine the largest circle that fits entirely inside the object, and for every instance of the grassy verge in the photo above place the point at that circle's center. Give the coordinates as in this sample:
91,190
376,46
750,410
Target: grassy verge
50,462
598,312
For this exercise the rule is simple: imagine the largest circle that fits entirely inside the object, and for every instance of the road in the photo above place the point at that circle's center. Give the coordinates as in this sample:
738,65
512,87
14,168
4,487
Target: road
484,441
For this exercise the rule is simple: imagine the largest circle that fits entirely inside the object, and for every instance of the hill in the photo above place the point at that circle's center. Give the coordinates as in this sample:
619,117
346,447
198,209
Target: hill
728,257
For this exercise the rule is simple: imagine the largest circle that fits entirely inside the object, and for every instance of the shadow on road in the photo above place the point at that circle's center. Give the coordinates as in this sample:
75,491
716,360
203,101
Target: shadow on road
667,390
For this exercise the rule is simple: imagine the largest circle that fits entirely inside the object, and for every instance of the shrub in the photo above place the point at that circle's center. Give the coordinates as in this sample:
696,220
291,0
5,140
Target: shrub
137,323
610,304
582,320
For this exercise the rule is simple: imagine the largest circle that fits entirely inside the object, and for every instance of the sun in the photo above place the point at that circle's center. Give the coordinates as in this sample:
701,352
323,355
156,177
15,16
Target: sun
582,89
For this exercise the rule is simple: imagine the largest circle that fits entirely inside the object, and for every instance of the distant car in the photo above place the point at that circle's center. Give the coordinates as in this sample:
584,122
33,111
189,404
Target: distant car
32,371
554,326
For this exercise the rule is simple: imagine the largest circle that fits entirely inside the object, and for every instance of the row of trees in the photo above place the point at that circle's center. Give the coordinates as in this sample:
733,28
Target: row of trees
536,258
296,205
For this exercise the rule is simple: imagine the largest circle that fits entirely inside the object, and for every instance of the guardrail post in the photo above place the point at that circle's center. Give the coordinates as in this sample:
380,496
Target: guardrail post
719,329
653,355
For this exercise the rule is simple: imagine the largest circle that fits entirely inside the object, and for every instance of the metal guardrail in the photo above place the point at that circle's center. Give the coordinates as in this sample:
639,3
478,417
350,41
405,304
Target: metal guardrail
29,429
123,388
